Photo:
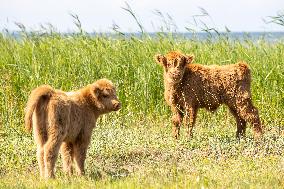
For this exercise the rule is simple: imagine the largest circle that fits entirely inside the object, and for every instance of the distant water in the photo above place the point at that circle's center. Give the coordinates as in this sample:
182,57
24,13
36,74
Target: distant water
254,36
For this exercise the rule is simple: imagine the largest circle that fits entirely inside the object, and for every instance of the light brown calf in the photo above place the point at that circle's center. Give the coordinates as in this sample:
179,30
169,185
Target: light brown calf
64,121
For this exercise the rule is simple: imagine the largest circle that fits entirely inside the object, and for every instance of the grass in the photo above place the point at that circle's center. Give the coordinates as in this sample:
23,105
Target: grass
134,148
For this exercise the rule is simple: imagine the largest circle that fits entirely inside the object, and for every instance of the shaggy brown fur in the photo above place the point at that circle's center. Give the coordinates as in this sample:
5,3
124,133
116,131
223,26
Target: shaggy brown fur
65,120
189,87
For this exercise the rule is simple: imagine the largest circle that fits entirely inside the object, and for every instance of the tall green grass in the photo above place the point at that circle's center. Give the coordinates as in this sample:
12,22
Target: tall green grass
134,148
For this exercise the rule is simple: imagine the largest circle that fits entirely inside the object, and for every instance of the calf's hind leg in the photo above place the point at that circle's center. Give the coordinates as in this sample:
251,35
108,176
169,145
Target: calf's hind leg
249,113
51,149
67,153
241,123
40,139
40,159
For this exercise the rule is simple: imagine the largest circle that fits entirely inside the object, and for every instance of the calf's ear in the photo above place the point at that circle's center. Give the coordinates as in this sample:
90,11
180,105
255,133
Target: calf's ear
96,90
160,59
189,58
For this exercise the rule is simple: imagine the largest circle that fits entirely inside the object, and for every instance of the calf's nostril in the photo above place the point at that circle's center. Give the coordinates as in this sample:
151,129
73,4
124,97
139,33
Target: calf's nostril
117,106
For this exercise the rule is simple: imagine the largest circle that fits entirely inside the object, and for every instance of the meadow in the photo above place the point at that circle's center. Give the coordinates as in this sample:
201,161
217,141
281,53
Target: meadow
134,148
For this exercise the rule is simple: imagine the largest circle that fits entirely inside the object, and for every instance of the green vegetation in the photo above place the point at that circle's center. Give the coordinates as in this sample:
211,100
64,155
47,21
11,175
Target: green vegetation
134,147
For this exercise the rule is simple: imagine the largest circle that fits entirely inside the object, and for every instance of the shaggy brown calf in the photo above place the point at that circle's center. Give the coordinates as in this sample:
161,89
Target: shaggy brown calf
189,87
65,120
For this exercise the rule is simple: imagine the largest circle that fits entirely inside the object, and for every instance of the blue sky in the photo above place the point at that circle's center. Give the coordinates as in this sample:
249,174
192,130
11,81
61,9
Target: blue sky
99,16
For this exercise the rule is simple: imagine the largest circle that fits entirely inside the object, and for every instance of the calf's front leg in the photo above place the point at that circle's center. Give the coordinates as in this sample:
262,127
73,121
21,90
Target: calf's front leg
190,119
177,121
80,151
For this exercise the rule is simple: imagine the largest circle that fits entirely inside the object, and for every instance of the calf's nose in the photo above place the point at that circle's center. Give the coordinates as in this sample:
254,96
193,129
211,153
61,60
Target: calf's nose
117,106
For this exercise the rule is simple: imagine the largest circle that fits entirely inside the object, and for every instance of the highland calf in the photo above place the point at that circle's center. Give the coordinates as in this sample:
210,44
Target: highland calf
64,121
189,87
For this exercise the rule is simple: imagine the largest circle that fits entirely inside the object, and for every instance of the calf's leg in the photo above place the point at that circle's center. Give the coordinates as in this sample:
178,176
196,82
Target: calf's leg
241,123
190,119
177,121
67,154
80,151
249,113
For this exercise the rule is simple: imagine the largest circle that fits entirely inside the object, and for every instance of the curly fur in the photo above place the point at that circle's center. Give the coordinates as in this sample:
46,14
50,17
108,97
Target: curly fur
64,121
189,87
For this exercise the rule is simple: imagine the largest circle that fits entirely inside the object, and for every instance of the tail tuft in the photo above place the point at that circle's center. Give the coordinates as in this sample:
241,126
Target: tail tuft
43,92
244,71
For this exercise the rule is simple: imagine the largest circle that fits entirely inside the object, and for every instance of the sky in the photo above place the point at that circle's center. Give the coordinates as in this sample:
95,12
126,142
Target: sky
101,16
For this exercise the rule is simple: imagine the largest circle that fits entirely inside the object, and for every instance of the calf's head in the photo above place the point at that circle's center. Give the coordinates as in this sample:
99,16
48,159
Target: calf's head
174,64
104,96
